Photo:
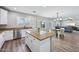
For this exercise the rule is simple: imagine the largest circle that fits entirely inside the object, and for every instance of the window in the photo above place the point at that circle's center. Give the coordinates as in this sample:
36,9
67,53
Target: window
23,21
43,24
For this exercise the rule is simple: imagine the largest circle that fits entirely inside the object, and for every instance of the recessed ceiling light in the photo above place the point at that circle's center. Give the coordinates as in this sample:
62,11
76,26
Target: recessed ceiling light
15,8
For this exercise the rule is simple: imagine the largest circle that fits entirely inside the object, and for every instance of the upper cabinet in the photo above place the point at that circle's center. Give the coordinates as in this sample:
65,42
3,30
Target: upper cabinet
3,16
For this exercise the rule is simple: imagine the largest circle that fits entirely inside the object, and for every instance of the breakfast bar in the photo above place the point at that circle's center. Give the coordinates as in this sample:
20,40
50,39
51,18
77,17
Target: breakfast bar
39,41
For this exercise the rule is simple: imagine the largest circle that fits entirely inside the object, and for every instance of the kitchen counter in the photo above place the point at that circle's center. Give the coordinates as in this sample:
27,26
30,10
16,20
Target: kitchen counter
14,28
40,35
39,41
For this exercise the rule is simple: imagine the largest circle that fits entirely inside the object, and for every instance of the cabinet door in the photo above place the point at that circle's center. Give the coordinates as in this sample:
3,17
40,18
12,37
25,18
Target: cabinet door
8,35
45,45
1,40
35,45
3,16
29,41
0,15
23,33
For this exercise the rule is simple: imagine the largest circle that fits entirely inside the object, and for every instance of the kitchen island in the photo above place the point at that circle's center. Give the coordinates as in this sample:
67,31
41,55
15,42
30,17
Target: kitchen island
39,41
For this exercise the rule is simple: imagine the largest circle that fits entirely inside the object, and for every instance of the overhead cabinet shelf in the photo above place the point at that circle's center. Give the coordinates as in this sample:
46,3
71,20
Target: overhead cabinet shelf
3,16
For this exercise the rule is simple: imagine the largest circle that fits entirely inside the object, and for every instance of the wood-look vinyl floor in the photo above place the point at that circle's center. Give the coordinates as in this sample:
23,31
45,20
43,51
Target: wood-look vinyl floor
17,45
69,44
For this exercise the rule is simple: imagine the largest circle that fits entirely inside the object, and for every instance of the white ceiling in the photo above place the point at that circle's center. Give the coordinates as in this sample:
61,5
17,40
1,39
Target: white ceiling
48,11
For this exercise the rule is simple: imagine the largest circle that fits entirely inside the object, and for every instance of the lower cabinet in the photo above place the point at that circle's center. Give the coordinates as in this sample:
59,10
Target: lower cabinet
23,33
28,41
8,35
45,45
36,45
1,40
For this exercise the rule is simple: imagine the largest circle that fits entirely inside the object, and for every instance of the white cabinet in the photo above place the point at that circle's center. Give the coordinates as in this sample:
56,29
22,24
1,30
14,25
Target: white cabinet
1,40
8,35
4,36
28,40
3,17
23,33
41,46
45,45
36,45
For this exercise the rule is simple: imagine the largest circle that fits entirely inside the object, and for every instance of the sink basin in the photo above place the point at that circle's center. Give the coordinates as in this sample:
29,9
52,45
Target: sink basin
42,32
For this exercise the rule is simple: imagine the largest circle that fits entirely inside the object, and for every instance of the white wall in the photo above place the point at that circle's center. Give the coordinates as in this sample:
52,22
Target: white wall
76,22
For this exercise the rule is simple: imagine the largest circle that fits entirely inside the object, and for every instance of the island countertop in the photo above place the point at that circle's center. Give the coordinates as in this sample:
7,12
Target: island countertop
40,35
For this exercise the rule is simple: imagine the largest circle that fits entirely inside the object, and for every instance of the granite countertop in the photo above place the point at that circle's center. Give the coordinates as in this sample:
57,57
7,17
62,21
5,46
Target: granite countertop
14,28
42,35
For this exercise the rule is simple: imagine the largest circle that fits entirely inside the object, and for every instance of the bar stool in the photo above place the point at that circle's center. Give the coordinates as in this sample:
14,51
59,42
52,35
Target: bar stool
61,33
57,33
